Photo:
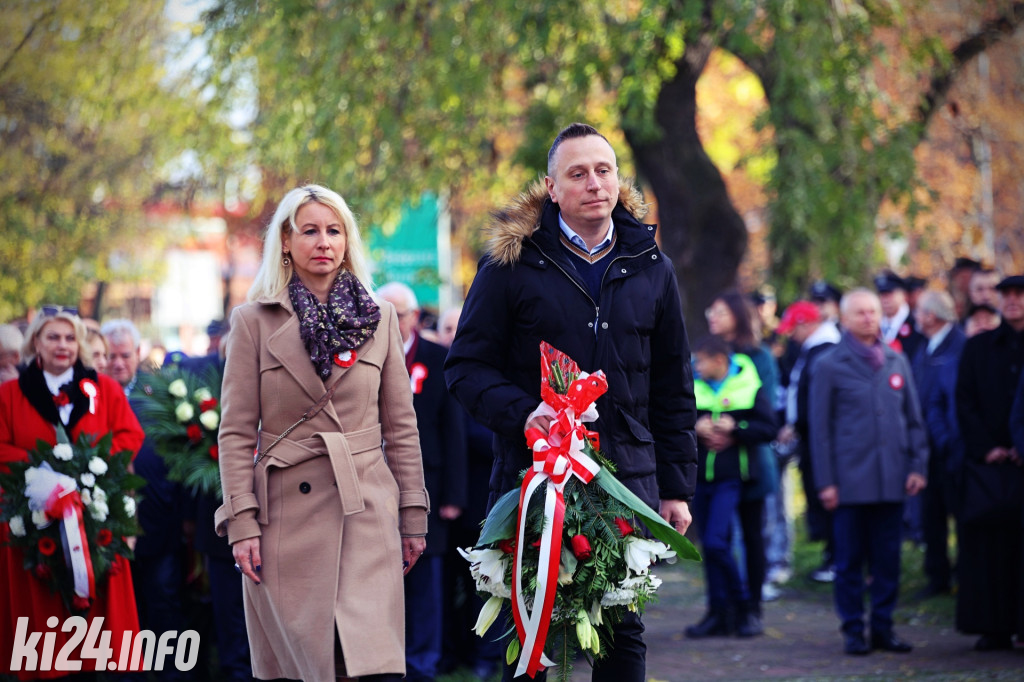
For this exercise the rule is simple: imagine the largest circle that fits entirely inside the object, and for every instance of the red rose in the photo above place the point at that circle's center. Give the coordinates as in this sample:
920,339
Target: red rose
208,404
47,546
507,546
194,433
624,527
43,572
581,547
80,603
104,537
214,452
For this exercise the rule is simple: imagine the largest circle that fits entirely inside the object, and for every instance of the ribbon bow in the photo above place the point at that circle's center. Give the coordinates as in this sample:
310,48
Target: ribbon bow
61,399
557,456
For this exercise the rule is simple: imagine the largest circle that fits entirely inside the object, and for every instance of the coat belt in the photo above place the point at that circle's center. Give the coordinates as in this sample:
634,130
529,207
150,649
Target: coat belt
341,448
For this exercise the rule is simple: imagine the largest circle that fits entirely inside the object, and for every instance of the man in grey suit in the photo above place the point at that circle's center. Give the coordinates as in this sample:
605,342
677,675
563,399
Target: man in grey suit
870,450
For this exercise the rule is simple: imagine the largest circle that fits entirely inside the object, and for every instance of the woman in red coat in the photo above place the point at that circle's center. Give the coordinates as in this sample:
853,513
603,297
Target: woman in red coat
49,391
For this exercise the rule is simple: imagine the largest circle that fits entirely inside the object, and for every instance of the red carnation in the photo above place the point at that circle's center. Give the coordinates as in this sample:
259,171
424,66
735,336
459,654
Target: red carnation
194,433
214,452
208,404
581,547
47,546
80,603
508,546
624,527
43,572
104,537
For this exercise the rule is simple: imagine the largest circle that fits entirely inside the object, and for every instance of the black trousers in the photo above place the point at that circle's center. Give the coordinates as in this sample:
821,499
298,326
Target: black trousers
626,662
935,525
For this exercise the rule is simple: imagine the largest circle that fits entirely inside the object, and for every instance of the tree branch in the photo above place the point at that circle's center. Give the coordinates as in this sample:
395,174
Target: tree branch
25,39
991,32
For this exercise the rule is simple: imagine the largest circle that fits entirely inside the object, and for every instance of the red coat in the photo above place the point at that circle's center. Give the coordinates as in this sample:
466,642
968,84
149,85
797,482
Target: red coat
21,594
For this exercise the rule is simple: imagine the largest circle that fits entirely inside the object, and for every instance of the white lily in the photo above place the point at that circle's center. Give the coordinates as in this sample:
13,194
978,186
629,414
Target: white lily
641,553
488,613
567,566
487,566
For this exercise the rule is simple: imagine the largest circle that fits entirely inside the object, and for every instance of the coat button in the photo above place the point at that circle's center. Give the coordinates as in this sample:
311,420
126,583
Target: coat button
654,256
590,324
623,271
304,487
541,261
604,325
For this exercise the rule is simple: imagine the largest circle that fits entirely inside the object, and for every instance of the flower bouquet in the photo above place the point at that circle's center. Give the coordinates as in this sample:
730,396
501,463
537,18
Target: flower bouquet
180,411
568,548
70,511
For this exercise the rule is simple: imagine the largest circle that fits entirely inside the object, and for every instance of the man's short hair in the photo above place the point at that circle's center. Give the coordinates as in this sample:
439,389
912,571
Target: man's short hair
712,346
570,132
938,303
115,330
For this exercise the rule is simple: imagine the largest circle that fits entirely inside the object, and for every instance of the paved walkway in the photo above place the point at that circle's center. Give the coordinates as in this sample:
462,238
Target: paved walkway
802,642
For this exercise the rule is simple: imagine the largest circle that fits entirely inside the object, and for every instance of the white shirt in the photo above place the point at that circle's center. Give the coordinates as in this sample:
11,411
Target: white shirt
939,337
891,325
577,240
54,382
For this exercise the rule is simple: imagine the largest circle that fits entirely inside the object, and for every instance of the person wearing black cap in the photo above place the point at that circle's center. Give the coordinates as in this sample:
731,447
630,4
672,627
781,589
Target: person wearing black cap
981,318
897,323
915,287
826,297
989,557
959,277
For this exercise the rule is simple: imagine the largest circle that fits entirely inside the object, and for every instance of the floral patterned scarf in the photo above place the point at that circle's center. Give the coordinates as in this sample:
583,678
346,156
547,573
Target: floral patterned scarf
345,322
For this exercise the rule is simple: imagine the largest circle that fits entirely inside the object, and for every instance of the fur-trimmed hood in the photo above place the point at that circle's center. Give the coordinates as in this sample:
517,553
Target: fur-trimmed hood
512,224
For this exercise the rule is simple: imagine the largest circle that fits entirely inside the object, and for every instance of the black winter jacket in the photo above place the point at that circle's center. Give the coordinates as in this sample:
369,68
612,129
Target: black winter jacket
527,291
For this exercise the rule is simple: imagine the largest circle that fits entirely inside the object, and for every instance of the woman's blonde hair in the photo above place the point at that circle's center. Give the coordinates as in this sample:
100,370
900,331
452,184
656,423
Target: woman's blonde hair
28,351
273,275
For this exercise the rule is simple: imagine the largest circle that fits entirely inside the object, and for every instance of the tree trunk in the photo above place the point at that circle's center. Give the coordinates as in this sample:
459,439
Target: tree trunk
700,229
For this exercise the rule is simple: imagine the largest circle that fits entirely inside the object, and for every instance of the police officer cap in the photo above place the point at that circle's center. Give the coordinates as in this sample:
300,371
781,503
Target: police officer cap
914,283
889,281
1011,282
823,291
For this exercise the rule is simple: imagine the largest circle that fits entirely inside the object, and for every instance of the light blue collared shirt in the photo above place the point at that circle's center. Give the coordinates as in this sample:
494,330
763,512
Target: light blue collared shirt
577,240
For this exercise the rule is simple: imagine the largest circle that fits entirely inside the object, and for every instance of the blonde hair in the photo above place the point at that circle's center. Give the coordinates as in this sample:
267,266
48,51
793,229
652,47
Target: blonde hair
273,275
28,351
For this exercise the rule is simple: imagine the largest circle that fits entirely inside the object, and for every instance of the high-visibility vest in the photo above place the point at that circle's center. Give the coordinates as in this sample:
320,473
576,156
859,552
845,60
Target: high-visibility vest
737,392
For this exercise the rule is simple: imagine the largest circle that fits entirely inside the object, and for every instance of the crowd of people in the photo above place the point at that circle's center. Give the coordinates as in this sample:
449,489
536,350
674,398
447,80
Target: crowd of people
362,441
901,406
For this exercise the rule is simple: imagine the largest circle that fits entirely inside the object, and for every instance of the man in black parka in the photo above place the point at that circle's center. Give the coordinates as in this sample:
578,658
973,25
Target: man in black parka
989,550
570,263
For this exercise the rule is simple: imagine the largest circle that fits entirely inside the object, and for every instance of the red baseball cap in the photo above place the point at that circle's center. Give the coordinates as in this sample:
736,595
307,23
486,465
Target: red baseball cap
800,312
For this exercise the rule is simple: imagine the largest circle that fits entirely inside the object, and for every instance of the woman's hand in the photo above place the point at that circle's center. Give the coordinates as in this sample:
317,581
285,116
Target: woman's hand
412,548
247,558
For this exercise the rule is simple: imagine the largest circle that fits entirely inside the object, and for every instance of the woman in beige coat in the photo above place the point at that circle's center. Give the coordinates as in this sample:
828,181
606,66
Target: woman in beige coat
334,508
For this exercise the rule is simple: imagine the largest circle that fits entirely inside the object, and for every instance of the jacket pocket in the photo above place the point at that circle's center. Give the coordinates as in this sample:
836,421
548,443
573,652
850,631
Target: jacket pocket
640,432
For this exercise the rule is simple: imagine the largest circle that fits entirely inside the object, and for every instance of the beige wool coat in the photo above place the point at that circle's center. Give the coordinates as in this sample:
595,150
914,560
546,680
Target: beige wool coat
329,503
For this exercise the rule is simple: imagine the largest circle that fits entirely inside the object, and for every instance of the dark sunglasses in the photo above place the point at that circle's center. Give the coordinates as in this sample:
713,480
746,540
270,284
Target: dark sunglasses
52,310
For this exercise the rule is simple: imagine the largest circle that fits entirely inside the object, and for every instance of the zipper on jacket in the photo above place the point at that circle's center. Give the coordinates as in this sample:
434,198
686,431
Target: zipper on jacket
597,308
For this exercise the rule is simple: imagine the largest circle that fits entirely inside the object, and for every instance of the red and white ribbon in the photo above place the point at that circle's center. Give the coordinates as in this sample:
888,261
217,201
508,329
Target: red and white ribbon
57,495
89,389
557,456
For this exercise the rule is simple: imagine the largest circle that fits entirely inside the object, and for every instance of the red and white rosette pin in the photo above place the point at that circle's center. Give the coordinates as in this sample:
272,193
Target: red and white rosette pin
88,387
896,381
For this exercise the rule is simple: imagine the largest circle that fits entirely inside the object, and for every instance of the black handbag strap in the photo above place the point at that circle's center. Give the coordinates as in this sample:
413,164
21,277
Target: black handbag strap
313,411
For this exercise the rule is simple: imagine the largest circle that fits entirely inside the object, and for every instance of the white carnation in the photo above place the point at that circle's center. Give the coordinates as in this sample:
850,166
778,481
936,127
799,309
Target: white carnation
99,510
86,497
177,388
17,526
209,419
63,451
129,505
87,479
40,519
99,494
184,412
97,466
